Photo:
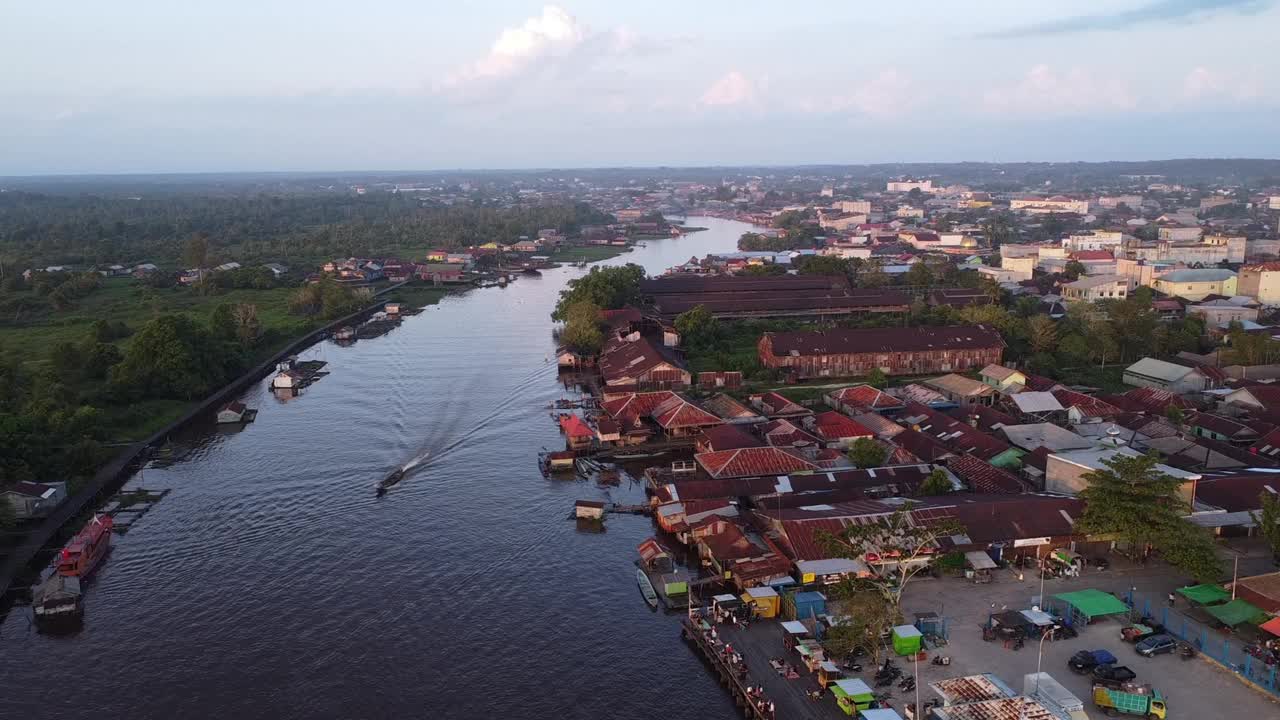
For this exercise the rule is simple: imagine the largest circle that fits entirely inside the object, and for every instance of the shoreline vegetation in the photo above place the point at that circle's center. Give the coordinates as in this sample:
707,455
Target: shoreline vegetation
103,343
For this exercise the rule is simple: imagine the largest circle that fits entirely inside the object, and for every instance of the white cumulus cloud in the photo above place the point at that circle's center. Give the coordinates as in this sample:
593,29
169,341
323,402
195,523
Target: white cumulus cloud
554,32
1203,84
1046,91
732,89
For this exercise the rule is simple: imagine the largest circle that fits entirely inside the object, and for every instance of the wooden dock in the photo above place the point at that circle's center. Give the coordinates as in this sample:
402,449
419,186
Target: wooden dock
735,677
761,641
127,507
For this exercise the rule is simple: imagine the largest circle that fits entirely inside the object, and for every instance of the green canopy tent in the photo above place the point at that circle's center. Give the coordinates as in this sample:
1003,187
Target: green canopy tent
1237,612
1089,604
1205,594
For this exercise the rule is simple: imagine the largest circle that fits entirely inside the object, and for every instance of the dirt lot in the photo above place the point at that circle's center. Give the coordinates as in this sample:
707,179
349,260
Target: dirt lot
1193,688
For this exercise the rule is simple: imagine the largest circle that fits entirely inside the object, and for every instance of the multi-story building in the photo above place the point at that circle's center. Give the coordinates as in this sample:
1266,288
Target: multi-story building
862,207
1055,204
905,186
1236,245
1021,265
1261,282
1132,202
893,350
1179,233
1196,284
1097,287
1094,240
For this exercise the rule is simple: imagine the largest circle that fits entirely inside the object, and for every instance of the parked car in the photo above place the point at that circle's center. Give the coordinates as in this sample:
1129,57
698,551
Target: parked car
1085,661
1156,645
1113,675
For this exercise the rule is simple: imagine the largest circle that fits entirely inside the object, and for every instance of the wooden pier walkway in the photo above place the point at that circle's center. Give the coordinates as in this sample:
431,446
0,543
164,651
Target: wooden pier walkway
761,641
734,678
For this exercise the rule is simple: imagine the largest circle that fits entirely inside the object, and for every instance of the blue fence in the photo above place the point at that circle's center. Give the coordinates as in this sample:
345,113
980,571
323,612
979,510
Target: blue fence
1231,650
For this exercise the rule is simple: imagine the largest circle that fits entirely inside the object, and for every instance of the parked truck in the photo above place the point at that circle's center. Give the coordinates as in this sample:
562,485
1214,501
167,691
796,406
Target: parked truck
1130,700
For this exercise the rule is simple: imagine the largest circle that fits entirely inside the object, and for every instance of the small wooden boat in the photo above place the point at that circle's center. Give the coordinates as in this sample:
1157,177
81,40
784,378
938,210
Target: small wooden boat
58,603
398,474
646,589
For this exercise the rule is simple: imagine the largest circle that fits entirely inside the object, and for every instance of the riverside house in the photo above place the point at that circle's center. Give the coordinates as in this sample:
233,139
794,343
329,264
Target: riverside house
895,351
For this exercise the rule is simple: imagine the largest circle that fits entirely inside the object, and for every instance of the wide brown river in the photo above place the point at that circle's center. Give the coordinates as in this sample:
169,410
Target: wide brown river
272,583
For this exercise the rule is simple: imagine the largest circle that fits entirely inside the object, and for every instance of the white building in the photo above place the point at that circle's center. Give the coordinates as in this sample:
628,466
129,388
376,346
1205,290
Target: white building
1261,282
1055,204
1132,202
905,186
1153,373
1180,233
862,207
1096,240
1003,275
1097,287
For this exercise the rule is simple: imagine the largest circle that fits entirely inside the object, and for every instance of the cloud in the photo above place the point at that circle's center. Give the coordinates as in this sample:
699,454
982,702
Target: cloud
886,94
1045,91
1204,85
1159,11
732,89
554,32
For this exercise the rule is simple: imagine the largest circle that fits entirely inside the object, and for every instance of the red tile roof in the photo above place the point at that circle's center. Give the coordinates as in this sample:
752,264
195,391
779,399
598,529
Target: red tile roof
776,405
1087,404
678,412
727,437
1083,255
746,462
1237,493
783,433
832,426
984,477
882,340
573,426
1156,400
633,405
866,396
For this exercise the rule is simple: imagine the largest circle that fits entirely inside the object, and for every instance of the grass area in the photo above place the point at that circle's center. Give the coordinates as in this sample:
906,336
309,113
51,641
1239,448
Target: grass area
417,295
140,420
1110,379
590,253
121,299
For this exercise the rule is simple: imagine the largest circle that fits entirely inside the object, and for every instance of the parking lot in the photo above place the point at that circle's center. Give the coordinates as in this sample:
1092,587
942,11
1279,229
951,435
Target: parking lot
1193,688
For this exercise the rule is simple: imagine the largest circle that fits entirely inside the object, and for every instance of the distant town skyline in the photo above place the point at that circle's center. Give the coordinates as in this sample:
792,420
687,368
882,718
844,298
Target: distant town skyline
291,86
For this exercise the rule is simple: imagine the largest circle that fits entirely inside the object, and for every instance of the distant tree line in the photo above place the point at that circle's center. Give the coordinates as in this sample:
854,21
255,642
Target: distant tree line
38,230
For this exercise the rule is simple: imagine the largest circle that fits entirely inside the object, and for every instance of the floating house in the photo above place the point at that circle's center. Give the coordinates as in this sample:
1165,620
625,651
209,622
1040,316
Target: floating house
588,510
232,413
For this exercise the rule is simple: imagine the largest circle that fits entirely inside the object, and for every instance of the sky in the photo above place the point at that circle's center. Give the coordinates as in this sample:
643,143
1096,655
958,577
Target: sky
284,85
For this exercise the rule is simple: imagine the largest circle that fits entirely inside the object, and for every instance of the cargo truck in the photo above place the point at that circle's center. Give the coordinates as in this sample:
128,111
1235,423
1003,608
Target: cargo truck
1130,700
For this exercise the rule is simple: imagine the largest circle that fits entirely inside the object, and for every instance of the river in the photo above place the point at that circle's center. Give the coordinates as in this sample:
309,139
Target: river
272,583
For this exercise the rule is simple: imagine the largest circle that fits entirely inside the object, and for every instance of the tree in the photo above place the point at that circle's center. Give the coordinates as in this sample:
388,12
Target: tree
867,453
1268,521
66,361
876,378
1042,332
171,356
582,328
1175,414
1142,506
865,618
99,358
764,269
824,265
247,326
992,290
872,275
937,483
697,327
609,288
1073,269
919,275
196,252
897,547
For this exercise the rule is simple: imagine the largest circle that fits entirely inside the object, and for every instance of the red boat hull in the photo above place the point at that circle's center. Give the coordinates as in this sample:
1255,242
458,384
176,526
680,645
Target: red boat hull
87,549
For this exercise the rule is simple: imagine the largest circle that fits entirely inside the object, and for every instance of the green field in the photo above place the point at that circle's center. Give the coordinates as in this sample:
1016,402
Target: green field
590,253
121,299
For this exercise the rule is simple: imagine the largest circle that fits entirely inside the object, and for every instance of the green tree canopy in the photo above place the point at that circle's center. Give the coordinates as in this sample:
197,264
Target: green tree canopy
697,327
1135,502
582,328
867,453
937,483
171,356
609,288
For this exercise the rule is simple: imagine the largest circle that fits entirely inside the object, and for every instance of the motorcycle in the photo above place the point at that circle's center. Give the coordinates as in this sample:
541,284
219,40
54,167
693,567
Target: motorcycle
853,667
942,660
908,684
1186,651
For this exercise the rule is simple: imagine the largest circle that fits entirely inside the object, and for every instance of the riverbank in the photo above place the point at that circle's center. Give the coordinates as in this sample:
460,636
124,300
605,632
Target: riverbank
588,253
173,416
272,550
